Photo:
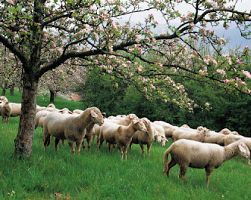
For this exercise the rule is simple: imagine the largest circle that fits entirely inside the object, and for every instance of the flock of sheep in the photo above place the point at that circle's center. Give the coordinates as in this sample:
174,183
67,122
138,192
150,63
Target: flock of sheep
197,148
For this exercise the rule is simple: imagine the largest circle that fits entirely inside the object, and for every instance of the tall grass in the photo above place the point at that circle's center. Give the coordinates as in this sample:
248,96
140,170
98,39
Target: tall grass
98,174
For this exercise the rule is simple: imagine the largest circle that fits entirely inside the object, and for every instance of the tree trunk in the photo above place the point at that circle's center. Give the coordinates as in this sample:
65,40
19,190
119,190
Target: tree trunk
23,141
4,87
12,89
52,96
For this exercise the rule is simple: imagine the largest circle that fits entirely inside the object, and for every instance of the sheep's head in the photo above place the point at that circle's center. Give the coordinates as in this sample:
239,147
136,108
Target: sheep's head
244,150
138,124
225,131
96,116
132,116
160,139
51,105
3,99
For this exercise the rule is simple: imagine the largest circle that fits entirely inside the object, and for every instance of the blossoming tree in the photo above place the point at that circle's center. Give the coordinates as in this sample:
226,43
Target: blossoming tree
44,34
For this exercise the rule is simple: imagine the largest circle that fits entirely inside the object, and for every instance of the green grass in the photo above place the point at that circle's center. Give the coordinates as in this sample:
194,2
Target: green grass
102,175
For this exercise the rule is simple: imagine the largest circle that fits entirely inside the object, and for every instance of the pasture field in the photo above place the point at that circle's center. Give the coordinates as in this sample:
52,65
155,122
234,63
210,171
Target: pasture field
98,174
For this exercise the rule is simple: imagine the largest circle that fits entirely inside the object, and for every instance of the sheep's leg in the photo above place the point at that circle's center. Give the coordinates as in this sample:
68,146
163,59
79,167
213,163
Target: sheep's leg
88,139
71,144
78,145
169,165
183,169
142,148
208,173
109,147
56,143
101,140
149,146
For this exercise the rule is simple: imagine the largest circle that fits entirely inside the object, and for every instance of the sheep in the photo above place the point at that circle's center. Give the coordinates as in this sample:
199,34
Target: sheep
39,118
159,134
120,134
5,111
214,137
187,153
70,127
189,133
168,128
10,110
142,138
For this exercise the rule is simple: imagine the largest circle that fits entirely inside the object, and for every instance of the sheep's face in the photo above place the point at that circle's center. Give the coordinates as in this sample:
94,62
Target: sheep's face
244,150
163,141
97,117
148,125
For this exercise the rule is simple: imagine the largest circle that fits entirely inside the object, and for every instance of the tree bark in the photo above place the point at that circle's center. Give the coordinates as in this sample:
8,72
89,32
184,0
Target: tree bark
24,138
12,87
52,96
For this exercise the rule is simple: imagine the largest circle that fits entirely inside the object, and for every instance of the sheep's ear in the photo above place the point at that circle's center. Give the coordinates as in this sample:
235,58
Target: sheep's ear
93,114
244,149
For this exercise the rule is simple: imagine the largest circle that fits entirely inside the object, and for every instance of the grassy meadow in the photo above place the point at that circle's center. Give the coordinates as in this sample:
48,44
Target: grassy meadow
98,174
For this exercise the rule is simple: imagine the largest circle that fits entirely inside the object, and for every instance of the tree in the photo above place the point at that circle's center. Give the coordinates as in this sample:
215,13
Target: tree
10,70
45,34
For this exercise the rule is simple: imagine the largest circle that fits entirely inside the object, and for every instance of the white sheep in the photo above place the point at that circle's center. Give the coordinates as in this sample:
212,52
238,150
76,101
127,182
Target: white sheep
142,138
189,133
159,134
119,134
5,111
188,153
71,127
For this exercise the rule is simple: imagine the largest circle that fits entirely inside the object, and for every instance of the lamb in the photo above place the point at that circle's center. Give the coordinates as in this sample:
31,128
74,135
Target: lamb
188,153
71,127
120,135
142,138
5,111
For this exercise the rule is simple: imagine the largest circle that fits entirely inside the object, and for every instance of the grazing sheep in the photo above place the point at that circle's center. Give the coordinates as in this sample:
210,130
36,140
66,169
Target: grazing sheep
71,127
142,138
214,137
189,133
168,128
188,153
120,134
5,111
159,134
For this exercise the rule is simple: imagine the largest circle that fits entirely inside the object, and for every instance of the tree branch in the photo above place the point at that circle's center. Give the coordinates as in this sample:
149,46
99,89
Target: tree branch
14,50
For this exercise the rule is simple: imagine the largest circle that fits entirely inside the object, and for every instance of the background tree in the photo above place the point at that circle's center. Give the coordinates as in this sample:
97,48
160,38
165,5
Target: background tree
64,79
10,70
44,34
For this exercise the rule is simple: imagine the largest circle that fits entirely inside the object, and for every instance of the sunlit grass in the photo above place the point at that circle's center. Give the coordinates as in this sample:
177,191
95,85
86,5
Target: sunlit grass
98,174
